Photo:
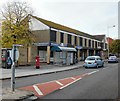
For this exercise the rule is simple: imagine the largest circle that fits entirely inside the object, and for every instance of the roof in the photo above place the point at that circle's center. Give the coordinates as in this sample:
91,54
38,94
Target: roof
99,37
63,28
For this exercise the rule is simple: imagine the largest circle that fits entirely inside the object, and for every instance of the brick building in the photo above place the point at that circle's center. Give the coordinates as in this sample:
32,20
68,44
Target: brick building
59,44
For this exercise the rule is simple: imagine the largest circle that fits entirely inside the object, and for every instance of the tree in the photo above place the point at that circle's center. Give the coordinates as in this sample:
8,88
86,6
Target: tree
15,29
115,47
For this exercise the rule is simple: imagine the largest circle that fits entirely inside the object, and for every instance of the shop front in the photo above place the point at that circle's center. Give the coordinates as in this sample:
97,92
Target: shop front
63,55
91,51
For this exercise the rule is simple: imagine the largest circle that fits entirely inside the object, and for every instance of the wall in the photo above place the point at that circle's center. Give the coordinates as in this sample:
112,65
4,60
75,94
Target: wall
41,36
27,56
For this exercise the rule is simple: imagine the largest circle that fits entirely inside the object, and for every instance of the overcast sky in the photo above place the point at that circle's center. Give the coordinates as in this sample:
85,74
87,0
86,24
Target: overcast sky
93,17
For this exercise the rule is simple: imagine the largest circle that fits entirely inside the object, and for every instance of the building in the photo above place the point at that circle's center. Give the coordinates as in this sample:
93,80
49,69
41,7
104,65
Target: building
110,40
103,45
58,44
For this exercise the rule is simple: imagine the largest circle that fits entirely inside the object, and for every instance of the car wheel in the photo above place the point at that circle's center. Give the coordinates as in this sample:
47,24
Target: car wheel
103,65
86,67
97,66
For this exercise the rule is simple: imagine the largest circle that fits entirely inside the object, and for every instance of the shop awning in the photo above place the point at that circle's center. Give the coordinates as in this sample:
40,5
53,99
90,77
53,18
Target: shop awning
58,48
79,47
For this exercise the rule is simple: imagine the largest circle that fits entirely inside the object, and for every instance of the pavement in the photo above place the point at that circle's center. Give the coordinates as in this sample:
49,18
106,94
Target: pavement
24,71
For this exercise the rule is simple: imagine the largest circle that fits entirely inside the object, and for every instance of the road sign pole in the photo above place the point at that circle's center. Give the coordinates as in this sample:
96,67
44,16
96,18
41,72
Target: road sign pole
13,65
13,69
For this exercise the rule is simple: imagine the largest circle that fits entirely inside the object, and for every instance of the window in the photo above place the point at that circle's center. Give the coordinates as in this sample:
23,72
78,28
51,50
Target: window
52,36
105,45
62,37
93,44
69,39
81,41
98,58
51,53
42,55
102,45
98,43
89,43
85,42
75,40
90,58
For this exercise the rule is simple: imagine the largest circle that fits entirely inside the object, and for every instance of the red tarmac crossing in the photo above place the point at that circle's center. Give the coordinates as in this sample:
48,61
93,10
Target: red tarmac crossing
43,89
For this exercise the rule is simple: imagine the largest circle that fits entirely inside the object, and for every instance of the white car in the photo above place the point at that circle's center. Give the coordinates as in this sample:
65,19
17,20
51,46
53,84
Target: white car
113,59
93,61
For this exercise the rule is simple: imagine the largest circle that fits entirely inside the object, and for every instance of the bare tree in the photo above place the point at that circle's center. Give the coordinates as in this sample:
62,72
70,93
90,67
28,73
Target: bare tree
16,23
15,12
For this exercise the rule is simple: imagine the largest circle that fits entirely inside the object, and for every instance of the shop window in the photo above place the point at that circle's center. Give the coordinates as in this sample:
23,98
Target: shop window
51,54
42,55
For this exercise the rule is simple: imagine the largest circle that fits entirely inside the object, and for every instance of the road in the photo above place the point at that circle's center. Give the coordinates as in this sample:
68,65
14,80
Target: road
100,85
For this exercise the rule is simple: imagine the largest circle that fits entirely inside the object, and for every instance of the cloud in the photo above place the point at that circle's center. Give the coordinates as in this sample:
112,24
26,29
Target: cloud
91,17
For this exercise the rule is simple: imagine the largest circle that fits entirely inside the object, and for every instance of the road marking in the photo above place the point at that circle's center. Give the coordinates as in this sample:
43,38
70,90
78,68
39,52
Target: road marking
93,72
73,78
53,81
59,83
37,90
71,83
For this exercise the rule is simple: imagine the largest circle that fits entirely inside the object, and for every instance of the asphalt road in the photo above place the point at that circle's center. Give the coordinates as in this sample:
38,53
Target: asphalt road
100,85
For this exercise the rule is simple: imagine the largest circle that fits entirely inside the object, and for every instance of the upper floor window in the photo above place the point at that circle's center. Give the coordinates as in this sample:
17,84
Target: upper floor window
75,40
85,42
89,43
69,39
62,37
98,43
81,41
102,45
105,45
52,36
93,44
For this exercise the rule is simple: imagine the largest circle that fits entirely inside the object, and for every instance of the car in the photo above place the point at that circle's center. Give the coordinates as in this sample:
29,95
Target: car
113,59
93,61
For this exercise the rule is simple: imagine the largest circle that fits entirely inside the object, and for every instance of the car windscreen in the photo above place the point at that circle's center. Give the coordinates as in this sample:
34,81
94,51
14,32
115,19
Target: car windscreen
90,58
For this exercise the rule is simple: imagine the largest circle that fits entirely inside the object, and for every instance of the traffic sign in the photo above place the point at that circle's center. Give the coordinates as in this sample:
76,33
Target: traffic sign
16,54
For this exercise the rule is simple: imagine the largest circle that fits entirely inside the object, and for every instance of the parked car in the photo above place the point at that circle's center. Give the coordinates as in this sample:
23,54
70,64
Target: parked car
113,59
93,61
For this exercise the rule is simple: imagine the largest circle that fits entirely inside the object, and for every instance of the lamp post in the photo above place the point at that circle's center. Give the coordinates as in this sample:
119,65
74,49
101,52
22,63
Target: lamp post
108,37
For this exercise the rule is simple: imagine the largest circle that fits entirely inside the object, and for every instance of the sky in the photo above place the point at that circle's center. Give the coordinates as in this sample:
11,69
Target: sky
93,17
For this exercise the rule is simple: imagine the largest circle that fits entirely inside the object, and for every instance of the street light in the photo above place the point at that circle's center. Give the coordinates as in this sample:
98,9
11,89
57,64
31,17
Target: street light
108,36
